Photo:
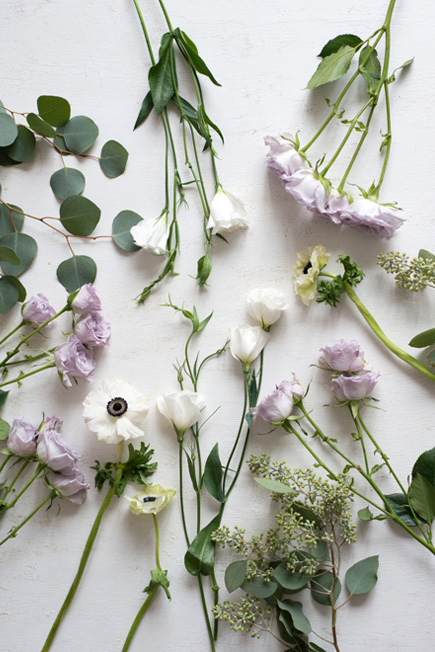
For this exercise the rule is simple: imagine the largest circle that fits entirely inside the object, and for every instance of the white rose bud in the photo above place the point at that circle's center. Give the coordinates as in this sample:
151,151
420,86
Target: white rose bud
182,409
266,305
247,342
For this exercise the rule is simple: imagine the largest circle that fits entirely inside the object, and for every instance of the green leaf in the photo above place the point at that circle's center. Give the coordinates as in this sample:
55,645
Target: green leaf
160,76
40,126
371,70
338,42
6,160
313,647
192,472
422,497
3,397
426,338
54,110
259,588
399,504
10,219
8,298
213,475
204,117
66,182
365,514
9,256
321,586
199,558
79,215
426,255
362,576
425,465
235,575
145,110
431,358
4,430
307,514
204,267
332,67
275,485
17,284
188,110
190,51
392,77
23,147
300,621
158,578
113,159
76,271
59,141
24,246
8,130
290,581
80,134
121,227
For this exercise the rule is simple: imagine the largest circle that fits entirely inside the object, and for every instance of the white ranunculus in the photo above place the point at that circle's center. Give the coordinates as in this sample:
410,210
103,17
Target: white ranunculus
182,409
247,342
116,411
152,234
266,305
150,500
227,213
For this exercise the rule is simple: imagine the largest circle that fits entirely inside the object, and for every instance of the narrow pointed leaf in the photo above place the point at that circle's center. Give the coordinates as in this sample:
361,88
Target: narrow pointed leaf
213,475
332,67
362,576
275,485
192,53
199,558
426,338
160,77
145,110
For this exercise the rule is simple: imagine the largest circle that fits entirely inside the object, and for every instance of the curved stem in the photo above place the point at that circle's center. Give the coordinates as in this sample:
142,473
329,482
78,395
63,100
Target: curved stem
19,378
13,532
14,330
136,622
180,473
17,475
39,468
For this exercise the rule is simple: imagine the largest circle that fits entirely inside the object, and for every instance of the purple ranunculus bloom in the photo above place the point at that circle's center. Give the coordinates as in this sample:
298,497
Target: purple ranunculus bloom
52,423
93,330
278,406
376,219
334,206
354,388
22,438
342,355
53,451
283,158
73,358
307,189
292,387
86,300
72,486
37,310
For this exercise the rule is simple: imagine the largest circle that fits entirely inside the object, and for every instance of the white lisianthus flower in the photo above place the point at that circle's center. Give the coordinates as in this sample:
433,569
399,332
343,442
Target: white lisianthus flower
266,305
306,270
150,500
182,409
227,213
247,342
152,234
115,411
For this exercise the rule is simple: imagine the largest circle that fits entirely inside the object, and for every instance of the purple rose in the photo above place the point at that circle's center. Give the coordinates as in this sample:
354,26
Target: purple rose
342,355
278,406
73,358
86,300
72,486
93,330
22,438
292,387
37,310
354,388
53,451
52,423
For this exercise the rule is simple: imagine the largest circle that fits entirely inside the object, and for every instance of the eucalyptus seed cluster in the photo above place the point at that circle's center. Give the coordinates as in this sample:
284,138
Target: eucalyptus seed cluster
411,274
249,614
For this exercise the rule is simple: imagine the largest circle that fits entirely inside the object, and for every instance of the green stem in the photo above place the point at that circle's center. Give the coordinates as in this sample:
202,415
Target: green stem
390,138
207,617
157,542
17,475
357,150
239,432
141,613
18,379
5,461
145,31
39,468
13,533
85,555
180,473
13,331
361,440
168,21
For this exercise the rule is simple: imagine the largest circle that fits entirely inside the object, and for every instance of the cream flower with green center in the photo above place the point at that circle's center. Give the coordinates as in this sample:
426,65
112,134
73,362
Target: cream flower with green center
115,411
150,500
306,270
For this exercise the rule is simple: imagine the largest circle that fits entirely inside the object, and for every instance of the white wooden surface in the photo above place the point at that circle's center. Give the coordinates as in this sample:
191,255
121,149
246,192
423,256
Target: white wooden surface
93,53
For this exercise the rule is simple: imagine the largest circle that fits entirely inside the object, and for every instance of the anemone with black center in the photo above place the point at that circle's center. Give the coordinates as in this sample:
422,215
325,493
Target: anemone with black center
117,406
149,499
307,267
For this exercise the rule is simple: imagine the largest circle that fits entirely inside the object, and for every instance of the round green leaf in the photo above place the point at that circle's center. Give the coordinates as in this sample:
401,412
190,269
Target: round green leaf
113,159
54,110
259,588
8,256
40,126
290,581
10,219
60,143
8,130
24,246
79,215
121,230
66,182
8,296
235,575
17,284
80,134
76,271
6,160
23,148
4,430
321,586
362,576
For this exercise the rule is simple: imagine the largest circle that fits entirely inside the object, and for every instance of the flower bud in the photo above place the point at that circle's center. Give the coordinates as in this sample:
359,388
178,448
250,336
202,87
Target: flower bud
227,213
266,305
22,438
182,409
342,355
355,387
37,310
204,270
247,342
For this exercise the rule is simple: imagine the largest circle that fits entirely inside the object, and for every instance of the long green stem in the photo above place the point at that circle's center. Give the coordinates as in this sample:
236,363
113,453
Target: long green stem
15,478
361,441
180,473
21,377
207,617
14,330
242,422
13,532
5,461
85,555
39,468
357,150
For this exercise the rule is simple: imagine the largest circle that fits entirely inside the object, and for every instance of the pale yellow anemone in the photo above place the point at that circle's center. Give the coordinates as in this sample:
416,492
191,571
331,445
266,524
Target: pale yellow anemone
150,500
306,270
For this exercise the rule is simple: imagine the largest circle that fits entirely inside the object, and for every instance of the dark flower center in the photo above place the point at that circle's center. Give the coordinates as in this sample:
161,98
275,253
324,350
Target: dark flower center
307,267
149,499
117,406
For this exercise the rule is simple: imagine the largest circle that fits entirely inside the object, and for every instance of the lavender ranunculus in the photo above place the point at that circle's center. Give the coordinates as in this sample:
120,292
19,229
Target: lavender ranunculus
307,189
22,438
37,310
51,423
335,204
342,355
93,330
86,300
278,406
283,158
53,451
355,387
72,358
376,219
292,387
72,486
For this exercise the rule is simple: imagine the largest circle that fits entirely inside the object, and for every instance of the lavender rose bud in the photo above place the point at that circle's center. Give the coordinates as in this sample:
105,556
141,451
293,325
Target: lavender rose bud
53,451
72,486
342,355
86,300
292,387
52,423
71,357
37,310
278,406
354,388
93,330
22,438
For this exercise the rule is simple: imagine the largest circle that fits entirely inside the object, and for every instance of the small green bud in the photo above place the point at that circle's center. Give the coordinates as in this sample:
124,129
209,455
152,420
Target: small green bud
204,269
